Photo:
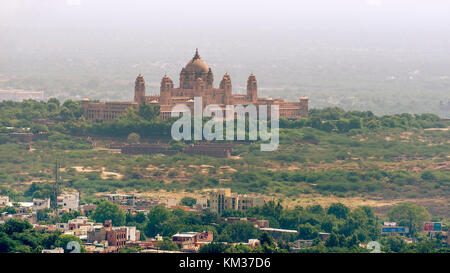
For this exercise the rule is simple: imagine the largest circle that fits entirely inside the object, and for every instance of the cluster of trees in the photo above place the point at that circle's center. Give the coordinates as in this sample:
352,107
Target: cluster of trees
338,120
339,181
144,122
348,228
109,211
21,114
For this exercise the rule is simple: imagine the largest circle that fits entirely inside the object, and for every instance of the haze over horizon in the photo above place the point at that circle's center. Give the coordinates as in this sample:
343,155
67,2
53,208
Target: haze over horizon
384,56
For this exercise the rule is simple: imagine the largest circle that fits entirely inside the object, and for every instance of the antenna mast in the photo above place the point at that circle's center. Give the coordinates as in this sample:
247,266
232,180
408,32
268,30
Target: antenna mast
56,186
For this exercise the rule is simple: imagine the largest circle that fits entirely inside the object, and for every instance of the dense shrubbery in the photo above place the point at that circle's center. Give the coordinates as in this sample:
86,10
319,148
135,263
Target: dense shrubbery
337,181
19,236
143,121
319,156
348,229
338,120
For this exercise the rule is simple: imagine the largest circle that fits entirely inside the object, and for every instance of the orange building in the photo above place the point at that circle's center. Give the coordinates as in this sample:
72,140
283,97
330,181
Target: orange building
196,80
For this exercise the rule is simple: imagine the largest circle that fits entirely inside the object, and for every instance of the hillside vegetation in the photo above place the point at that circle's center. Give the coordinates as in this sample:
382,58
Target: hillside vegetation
331,153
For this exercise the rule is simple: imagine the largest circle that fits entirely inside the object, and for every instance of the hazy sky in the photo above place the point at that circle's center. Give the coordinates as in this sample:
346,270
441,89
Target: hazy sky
202,14
365,52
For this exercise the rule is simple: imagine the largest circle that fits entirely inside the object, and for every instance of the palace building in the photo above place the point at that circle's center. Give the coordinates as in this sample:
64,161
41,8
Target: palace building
196,80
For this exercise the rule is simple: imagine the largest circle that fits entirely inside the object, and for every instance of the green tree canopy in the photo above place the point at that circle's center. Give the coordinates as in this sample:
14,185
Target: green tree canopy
188,201
409,215
109,211
148,112
133,138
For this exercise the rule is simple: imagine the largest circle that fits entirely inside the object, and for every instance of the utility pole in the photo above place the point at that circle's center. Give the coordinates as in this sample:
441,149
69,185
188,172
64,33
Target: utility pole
56,186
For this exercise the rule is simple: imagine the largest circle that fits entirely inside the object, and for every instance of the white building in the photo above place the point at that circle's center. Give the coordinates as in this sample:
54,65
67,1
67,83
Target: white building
55,250
69,201
4,201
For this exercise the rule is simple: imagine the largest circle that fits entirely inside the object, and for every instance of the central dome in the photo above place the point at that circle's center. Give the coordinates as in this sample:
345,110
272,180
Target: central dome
197,65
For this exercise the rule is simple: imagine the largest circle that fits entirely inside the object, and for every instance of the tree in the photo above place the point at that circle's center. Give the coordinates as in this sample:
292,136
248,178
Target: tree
93,176
109,211
177,146
133,138
265,238
188,201
394,244
410,215
39,128
352,241
332,240
137,218
306,231
239,248
270,209
15,226
53,101
65,114
327,226
355,123
128,249
6,243
428,175
209,217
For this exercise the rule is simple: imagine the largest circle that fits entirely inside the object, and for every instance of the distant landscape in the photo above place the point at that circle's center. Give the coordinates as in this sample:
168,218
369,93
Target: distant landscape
350,70
359,156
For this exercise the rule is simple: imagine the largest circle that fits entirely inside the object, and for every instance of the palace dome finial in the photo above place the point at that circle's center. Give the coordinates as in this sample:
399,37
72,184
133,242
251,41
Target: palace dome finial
197,65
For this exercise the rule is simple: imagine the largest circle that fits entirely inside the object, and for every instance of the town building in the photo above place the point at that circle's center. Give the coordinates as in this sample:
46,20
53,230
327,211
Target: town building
196,80
39,204
278,232
222,199
97,234
55,250
133,203
87,209
323,236
300,244
252,243
201,203
149,243
192,241
31,217
116,237
121,199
